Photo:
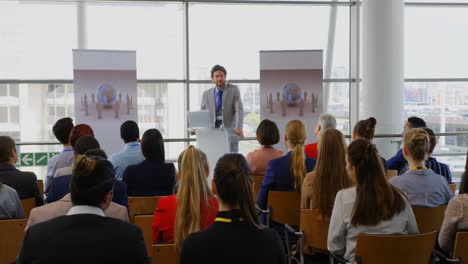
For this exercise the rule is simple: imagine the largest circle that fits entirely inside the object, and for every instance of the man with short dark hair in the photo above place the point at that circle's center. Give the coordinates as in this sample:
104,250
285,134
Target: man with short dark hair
85,235
25,183
131,152
224,103
61,129
398,162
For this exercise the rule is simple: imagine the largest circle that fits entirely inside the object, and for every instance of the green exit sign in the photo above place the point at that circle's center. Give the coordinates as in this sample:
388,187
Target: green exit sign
35,159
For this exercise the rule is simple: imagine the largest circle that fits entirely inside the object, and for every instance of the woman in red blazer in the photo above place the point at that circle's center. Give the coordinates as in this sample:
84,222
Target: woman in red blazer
194,202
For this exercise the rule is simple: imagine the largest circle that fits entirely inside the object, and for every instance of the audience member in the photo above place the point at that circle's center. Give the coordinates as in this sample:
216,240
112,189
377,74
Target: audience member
287,172
365,129
398,161
236,236
86,145
329,176
25,183
372,206
131,152
422,185
192,208
431,162
456,215
61,129
267,135
85,235
324,122
153,176
10,203
76,132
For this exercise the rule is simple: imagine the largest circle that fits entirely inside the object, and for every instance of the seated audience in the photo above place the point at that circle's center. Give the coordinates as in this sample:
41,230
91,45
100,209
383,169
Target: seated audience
236,236
131,152
153,176
422,185
267,136
365,129
10,203
373,206
398,162
61,129
61,185
456,215
84,234
192,208
62,206
329,176
431,162
76,132
24,183
324,122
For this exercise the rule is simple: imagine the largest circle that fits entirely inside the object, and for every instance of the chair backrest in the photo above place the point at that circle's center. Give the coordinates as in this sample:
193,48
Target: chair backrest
165,253
12,233
257,183
401,249
453,187
40,185
391,173
285,207
460,250
28,205
315,229
145,222
428,218
142,205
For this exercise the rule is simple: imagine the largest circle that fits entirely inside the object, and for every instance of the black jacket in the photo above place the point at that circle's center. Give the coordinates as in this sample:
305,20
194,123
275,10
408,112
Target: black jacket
25,183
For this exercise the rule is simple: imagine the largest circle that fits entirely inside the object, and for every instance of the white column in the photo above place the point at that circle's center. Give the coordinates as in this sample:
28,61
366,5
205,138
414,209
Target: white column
382,68
82,25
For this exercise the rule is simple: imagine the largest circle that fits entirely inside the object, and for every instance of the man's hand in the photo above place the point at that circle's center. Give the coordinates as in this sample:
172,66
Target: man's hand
239,132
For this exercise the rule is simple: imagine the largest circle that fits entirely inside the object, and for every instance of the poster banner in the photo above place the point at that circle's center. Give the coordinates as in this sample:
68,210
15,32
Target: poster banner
105,93
291,87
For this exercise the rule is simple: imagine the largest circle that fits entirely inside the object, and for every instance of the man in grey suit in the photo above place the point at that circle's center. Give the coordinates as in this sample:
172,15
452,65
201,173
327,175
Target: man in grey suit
224,103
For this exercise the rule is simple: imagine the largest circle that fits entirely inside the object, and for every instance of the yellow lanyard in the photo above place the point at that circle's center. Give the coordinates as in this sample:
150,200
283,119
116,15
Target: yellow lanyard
418,168
226,220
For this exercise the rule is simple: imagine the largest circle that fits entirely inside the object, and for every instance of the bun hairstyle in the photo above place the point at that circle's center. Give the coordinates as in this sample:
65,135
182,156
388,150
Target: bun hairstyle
234,186
416,140
92,179
365,128
296,134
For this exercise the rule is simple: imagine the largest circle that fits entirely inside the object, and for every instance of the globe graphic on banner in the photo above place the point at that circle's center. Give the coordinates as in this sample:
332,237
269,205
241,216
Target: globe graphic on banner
292,94
107,95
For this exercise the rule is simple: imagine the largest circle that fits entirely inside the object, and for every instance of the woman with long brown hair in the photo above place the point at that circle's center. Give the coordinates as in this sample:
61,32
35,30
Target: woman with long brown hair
192,208
372,206
236,236
329,176
287,173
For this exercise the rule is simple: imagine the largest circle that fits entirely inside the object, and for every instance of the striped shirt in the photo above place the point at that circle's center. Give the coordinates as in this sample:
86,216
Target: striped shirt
438,167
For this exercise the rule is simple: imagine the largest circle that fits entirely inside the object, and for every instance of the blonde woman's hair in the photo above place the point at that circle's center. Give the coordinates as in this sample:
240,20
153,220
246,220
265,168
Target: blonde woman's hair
296,134
192,193
416,140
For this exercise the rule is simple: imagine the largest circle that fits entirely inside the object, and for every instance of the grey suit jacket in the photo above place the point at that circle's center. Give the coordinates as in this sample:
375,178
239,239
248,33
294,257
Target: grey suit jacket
233,110
62,206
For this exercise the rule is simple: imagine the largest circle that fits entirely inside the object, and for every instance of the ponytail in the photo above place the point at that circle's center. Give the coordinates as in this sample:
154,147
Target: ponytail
296,135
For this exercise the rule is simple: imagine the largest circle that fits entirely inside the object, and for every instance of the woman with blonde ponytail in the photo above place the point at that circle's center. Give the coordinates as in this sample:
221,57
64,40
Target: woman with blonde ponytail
192,208
287,172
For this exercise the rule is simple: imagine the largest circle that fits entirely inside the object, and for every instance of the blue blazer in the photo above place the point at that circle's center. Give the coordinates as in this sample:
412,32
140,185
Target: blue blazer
61,186
397,162
278,177
150,178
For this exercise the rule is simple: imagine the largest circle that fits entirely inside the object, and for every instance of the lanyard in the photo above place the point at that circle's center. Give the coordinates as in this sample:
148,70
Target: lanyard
418,168
226,220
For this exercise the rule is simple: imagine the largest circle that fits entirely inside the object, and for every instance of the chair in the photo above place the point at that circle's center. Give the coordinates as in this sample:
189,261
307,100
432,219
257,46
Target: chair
12,233
453,187
165,253
428,218
28,205
383,249
40,185
142,205
460,250
144,222
284,207
257,183
313,233
391,173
